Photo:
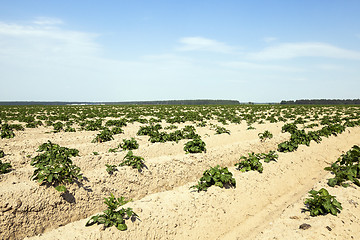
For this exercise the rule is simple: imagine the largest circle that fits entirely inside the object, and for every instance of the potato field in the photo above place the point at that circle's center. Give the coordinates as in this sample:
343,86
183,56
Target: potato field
180,172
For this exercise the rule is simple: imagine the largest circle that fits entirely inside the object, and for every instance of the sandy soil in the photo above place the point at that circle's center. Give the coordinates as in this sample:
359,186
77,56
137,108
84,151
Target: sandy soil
262,206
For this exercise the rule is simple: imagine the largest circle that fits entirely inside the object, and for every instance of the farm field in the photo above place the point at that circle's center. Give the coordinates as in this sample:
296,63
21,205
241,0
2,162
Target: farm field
276,154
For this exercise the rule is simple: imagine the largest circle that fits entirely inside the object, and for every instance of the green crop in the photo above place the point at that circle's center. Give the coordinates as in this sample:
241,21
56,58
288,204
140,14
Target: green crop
133,161
111,216
2,154
116,130
195,146
129,144
220,130
265,135
252,162
215,176
5,167
321,203
110,168
54,166
346,168
104,136
6,131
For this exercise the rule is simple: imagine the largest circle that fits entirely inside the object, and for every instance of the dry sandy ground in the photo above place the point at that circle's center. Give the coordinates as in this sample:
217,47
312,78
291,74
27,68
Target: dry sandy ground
264,205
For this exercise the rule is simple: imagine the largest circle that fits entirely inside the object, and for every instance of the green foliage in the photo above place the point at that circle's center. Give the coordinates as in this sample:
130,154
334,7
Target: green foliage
95,153
129,144
116,130
346,168
289,127
110,168
217,176
332,129
271,156
17,127
104,136
252,162
171,127
149,130
111,216
287,146
133,161
2,154
195,146
250,128
58,126
220,130
5,167
54,166
321,203
117,123
265,135
95,125
6,131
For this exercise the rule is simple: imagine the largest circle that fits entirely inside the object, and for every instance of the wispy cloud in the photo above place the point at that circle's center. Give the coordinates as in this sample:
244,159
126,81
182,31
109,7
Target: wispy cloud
269,39
204,44
304,49
47,21
257,66
38,39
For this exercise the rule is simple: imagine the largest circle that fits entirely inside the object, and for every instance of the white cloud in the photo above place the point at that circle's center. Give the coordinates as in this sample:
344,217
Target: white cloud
35,41
269,39
257,66
204,44
305,49
47,21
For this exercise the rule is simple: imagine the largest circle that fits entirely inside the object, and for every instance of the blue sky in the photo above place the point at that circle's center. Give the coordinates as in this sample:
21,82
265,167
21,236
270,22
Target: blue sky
260,51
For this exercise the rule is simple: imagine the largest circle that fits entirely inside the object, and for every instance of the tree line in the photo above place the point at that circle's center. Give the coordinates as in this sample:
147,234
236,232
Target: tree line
322,102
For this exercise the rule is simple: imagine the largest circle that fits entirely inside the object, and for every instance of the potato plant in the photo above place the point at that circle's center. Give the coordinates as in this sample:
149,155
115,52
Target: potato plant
104,136
217,176
5,167
265,135
129,144
133,161
252,162
346,168
113,217
321,203
54,167
6,131
195,146
110,168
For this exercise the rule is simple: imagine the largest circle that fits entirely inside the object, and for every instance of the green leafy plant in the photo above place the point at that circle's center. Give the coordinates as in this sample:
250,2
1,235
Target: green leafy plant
220,130
252,162
133,161
215,176
265,135
5,167
321,203
6,131
58,126
129,144
54,166
112,216
95,153
2,154
104,136
346,168
110,168
268,157
116,130
195,146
